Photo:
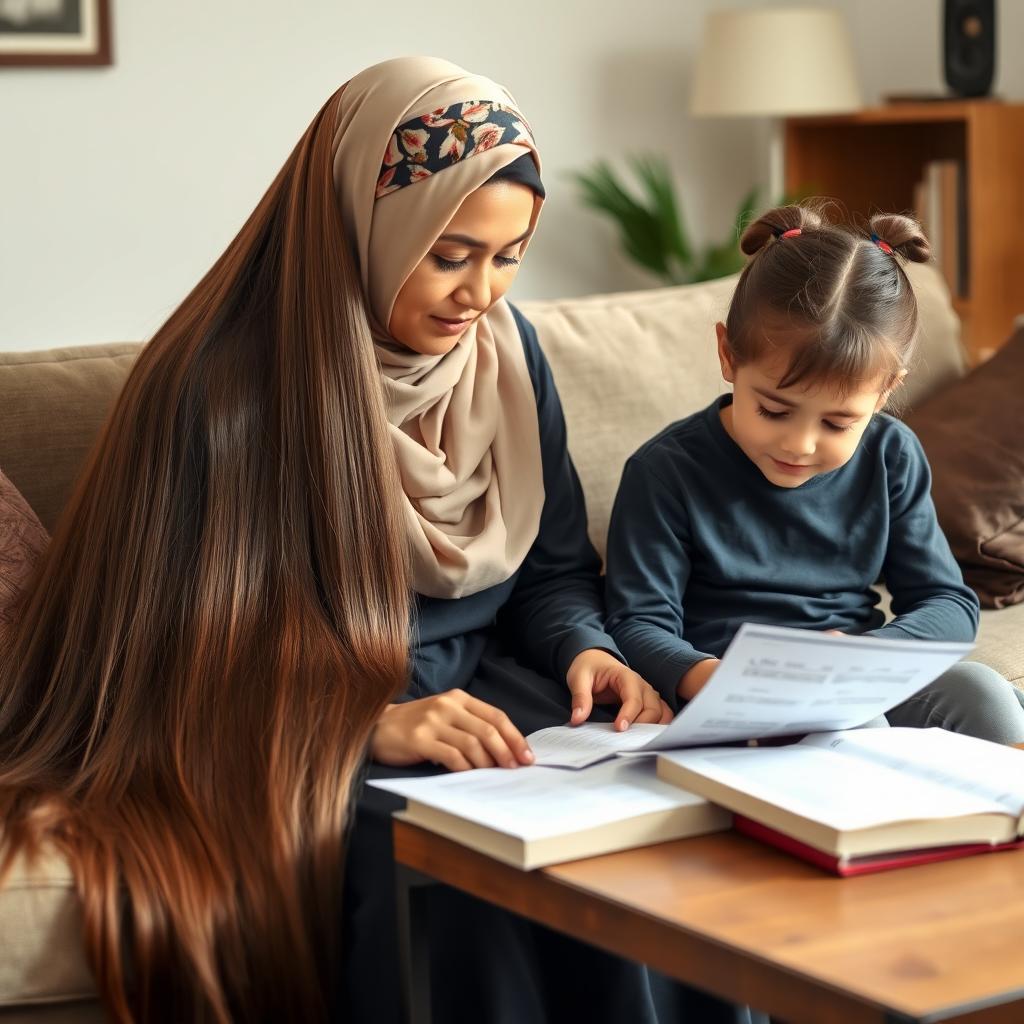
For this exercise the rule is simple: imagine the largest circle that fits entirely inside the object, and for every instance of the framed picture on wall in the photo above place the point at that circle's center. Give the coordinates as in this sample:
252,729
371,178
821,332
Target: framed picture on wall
55,32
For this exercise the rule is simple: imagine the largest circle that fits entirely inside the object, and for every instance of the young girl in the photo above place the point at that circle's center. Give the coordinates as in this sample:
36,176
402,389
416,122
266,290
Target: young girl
784,501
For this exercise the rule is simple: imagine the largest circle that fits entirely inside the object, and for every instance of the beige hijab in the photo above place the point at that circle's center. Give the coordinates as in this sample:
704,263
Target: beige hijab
464,424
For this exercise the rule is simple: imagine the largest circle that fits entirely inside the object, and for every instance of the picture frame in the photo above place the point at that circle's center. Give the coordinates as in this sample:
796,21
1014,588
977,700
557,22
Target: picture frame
56,33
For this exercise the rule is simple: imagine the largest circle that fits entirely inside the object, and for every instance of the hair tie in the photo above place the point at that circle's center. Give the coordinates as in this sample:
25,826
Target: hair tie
791,233
882,244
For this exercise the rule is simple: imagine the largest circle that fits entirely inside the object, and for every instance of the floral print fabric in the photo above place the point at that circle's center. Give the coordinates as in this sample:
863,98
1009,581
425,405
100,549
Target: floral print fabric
429,143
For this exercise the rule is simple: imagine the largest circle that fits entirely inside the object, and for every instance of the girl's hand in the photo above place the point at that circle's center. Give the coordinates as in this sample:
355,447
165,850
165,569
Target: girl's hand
452,729
596,675
693,681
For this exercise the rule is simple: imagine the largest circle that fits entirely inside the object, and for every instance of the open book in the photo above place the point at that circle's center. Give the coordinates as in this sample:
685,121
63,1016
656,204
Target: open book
529,817
867,798
773,681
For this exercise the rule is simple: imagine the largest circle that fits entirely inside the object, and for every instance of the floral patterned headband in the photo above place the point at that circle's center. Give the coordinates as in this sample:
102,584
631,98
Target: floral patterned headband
427,144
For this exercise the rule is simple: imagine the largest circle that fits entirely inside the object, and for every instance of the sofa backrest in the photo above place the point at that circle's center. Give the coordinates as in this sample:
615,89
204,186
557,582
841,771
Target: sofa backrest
626,365
629,364
52,404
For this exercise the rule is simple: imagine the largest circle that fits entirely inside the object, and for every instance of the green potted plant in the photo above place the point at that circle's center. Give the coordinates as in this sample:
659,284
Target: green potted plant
651,226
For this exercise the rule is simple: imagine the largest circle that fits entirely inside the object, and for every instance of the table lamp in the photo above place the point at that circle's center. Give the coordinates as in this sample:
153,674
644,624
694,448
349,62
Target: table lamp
775,62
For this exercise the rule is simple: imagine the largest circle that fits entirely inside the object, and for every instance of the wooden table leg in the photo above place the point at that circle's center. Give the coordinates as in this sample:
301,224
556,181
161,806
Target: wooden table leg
413,943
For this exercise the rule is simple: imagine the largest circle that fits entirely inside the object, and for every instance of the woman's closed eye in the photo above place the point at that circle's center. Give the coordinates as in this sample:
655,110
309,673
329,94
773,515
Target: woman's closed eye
449,265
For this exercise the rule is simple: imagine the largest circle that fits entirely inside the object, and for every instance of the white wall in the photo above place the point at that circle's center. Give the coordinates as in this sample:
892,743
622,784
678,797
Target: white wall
120,186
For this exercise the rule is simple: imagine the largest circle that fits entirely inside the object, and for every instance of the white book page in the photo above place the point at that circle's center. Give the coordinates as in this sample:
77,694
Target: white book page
775,681
842,792
535,802
970,765
576,746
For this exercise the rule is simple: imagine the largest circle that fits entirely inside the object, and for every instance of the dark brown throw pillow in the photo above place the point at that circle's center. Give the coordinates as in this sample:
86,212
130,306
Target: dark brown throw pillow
973,435
22,541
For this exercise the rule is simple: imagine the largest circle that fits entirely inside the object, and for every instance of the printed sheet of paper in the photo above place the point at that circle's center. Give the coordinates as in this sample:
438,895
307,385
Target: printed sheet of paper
775,681
576,746
534,802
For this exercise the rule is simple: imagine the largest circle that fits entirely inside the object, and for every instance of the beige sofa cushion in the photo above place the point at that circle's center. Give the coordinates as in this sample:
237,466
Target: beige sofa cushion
629,364
626,366
52,404
1000,642
41,953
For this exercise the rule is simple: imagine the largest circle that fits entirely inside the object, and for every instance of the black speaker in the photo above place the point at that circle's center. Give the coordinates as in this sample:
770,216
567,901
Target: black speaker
970,46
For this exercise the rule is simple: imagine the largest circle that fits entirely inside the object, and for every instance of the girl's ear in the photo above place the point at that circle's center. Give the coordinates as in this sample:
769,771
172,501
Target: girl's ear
884,397
725,353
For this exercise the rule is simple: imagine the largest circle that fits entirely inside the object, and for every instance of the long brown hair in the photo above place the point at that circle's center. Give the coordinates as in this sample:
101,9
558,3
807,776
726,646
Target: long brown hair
221,617
839,297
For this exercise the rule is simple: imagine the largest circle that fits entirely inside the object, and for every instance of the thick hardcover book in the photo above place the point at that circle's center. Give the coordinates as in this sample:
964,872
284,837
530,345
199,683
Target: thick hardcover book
533,816
865,865
865,799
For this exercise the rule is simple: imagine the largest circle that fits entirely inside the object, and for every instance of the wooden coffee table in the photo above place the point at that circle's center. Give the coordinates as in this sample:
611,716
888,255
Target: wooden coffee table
939,942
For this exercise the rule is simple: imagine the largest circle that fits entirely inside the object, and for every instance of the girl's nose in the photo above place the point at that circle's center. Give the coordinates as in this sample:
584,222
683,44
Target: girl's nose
799,442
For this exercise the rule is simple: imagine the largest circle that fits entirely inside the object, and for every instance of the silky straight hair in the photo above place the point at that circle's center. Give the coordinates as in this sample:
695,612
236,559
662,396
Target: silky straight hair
221,617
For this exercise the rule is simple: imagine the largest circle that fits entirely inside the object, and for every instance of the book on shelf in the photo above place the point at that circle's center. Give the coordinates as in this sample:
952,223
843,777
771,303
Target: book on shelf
940,203
595,790
533,816
865,799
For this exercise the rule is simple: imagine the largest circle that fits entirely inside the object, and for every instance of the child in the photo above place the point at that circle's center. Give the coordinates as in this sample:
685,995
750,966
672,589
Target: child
785,501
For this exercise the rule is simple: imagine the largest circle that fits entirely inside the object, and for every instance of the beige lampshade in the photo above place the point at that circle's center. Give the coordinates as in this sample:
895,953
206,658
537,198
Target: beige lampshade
775,62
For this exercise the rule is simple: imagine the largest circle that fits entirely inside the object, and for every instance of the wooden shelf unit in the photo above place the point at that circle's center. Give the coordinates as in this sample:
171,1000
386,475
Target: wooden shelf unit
871,160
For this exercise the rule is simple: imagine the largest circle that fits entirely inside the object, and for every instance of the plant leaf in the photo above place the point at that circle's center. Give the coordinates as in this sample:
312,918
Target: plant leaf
638,226
656,179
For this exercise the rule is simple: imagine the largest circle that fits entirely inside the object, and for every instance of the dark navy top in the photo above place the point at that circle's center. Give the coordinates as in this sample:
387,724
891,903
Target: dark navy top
701,542
552,608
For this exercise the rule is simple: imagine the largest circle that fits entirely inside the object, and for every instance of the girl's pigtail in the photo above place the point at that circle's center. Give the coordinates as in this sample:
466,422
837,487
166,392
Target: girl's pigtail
775,223
903,235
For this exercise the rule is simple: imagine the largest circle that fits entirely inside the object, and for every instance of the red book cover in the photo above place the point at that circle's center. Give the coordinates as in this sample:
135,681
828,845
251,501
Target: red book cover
861,865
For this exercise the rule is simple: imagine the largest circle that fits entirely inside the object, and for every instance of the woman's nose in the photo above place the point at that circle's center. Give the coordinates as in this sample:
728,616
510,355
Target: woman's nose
476,289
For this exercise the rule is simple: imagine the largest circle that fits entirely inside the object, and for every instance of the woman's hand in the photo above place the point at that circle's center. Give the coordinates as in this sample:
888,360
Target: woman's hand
693,681
597,676
452,729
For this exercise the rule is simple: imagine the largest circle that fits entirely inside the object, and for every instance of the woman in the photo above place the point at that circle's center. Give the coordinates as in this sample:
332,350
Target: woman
343,411
509,616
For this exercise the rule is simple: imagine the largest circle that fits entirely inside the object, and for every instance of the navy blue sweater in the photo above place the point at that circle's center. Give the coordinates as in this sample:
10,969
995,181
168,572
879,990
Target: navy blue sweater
552,608
700,542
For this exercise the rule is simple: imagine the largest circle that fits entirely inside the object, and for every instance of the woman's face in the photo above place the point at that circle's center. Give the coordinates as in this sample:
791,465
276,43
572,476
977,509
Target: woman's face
467,269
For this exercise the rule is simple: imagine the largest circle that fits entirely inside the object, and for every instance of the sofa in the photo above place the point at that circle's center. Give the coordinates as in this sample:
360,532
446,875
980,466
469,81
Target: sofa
625,364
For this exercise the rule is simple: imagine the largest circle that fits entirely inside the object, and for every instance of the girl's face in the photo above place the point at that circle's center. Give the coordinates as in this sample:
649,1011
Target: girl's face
468,268
793,434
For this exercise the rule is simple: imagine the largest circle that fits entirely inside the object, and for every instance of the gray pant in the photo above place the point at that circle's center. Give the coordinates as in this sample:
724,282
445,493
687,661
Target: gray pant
970,698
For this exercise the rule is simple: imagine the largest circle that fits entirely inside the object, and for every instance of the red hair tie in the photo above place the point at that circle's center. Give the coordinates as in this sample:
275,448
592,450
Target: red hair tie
883,245
791,233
